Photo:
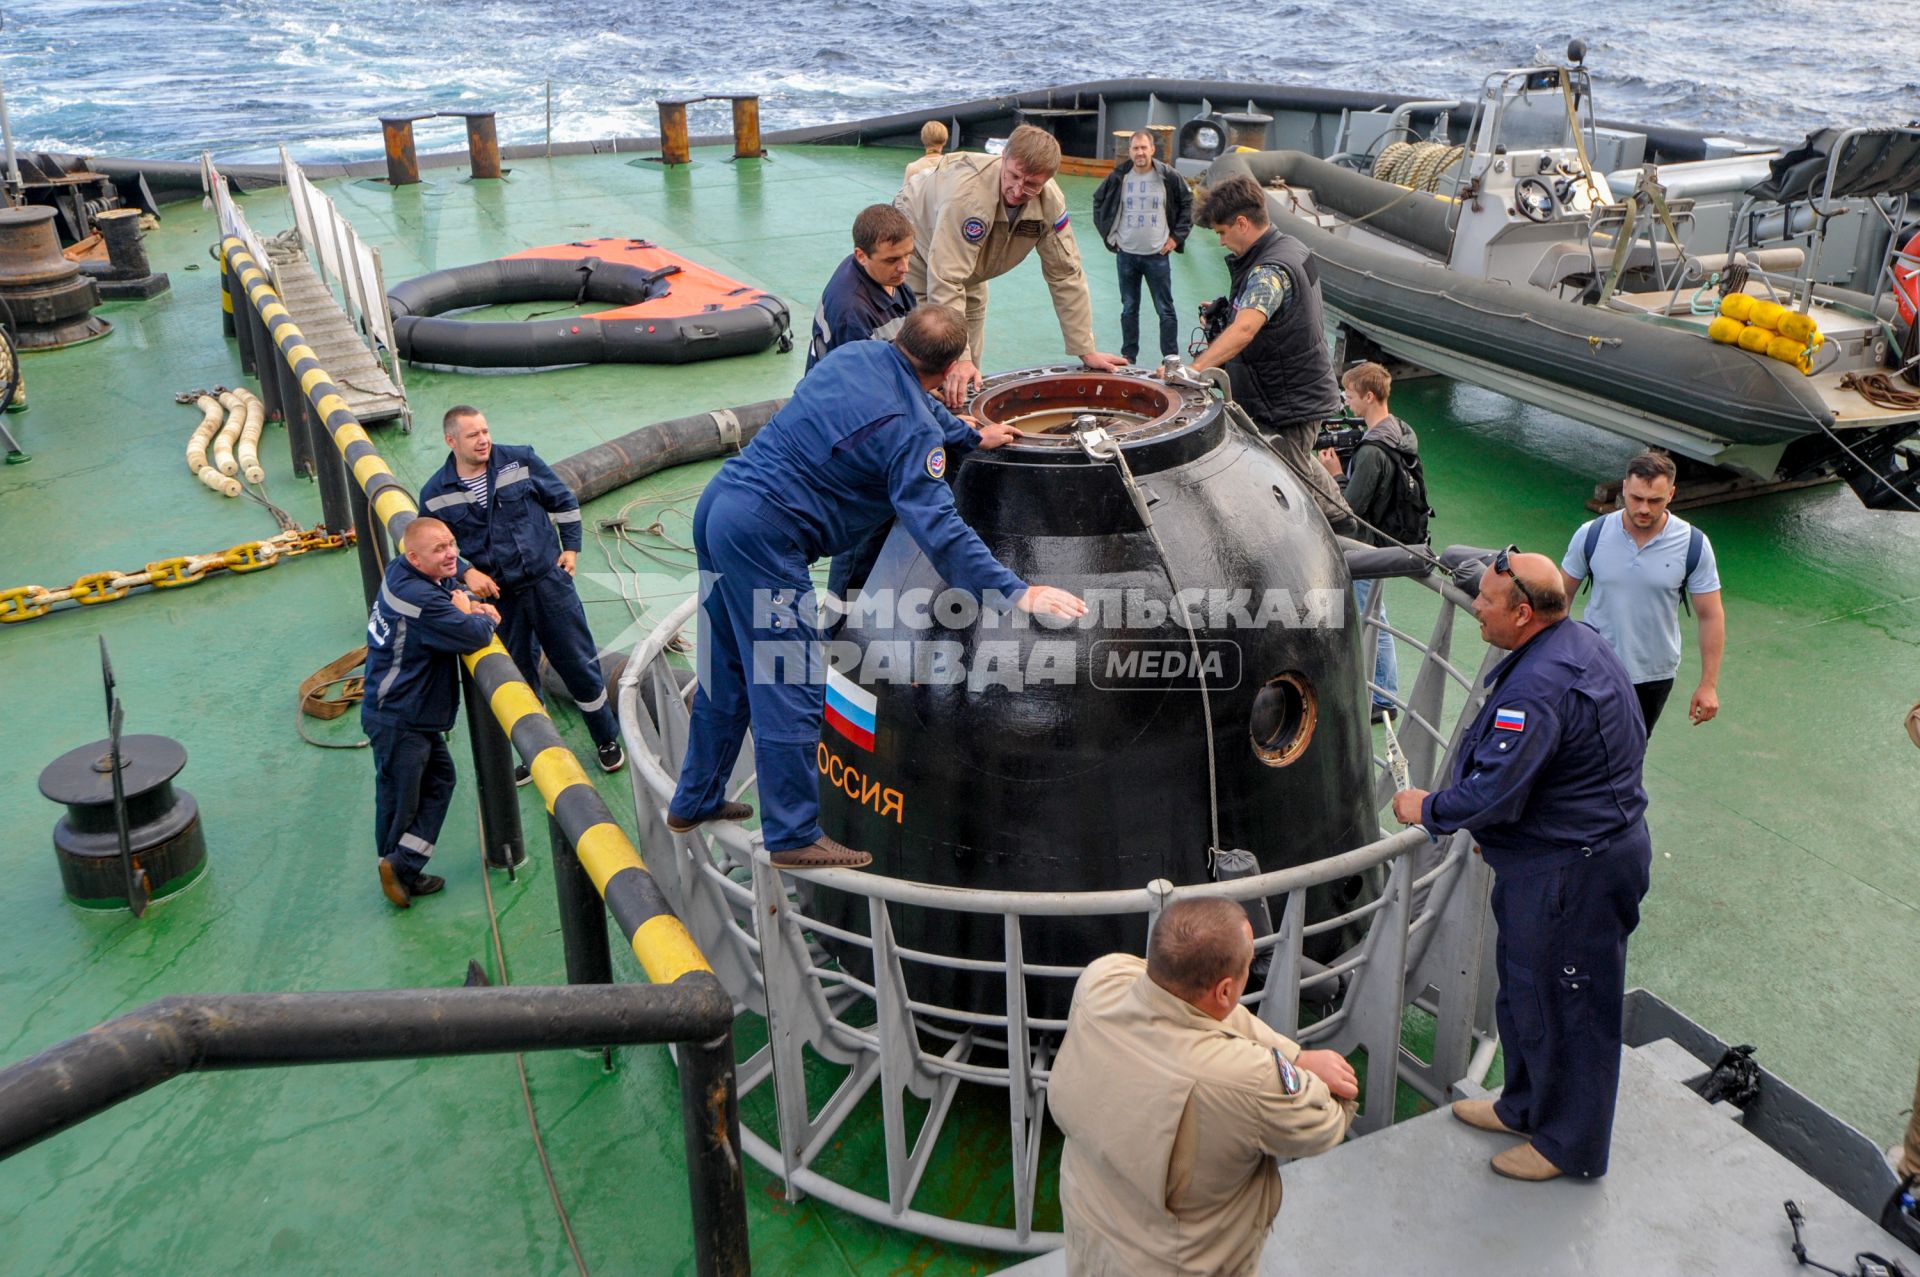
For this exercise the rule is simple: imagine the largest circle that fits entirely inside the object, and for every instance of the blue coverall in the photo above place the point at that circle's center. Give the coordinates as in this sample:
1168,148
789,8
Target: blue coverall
855,308
415,636
861,442
511,537
1548,781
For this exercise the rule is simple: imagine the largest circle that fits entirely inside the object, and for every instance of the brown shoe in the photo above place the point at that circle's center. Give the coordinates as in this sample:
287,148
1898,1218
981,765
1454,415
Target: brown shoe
1524,1161
824,854
391,884
1479,1114
726,811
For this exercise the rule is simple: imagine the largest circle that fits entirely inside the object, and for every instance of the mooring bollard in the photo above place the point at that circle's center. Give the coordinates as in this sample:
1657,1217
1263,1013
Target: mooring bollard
483,143
674,147
746,126
403,165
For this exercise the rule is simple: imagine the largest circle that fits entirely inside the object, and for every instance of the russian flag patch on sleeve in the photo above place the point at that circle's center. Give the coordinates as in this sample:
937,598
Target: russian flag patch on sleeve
1061,225
1510,720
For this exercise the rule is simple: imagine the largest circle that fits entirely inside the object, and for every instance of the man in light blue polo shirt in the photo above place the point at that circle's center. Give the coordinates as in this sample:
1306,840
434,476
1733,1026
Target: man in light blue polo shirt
1641,558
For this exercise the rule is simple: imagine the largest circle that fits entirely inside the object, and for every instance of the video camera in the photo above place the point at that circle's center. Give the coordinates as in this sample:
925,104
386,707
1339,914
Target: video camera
1214,318
1343,438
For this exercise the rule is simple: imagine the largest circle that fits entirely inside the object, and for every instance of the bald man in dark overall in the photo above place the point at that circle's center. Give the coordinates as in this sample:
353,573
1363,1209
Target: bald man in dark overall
1548,780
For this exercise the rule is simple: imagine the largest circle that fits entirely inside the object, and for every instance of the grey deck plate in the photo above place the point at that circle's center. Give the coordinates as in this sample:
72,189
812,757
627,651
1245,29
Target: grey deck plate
1689,1192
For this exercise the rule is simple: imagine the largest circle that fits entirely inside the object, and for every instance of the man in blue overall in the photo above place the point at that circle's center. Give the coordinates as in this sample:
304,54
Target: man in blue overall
867,295
1547,779
419,626
861,442
504,505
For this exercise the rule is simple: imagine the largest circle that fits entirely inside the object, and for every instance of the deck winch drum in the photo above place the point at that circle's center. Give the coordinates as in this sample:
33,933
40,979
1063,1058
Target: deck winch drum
163,823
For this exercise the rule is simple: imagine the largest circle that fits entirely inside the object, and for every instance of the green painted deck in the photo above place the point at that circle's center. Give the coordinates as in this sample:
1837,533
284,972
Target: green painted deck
1783,911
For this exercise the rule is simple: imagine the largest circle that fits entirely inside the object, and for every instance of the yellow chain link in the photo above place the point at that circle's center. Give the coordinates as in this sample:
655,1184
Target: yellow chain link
18,604
25,602
168,573
245,557
96,587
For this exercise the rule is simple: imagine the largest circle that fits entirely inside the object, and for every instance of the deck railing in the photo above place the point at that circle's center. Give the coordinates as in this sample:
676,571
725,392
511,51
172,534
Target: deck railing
587,842
1427,943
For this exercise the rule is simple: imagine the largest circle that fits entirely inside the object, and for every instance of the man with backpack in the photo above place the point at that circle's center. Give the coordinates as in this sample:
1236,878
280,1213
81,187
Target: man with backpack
1387,491
1645,562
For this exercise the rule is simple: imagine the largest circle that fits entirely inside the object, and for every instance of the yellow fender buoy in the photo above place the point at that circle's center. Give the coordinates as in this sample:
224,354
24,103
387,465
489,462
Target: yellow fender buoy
1737,307
1789,351
1726,330
1768,315
1801,328
1755,339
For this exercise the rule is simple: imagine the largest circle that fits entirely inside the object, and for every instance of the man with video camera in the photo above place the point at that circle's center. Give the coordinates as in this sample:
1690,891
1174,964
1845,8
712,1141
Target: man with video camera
1267,333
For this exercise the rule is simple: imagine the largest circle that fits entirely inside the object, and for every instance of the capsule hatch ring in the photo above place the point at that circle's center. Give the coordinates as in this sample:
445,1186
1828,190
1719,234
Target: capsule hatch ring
1283,718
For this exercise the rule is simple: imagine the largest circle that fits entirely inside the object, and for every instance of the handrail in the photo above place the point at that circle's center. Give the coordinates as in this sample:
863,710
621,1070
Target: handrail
665,949
883,1011
89,1073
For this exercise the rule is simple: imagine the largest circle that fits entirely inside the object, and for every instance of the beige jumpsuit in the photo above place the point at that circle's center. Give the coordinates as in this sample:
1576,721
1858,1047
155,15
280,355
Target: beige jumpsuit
962,238
1173,1120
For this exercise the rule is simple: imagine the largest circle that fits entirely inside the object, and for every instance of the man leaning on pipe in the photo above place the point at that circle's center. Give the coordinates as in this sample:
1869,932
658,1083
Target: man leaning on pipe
519,530
421,623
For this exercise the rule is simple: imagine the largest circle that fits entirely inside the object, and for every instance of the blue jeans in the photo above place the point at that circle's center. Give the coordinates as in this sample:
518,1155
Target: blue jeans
1386,662
1159,276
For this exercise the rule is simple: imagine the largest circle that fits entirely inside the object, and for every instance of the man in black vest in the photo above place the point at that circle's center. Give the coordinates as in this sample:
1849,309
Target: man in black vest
1273,347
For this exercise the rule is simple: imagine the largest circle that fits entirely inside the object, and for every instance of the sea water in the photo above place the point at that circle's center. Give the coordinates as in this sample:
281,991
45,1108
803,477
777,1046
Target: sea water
169,78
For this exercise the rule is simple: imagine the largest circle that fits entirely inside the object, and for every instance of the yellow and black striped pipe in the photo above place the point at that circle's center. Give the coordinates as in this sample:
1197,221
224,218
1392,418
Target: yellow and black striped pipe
660,941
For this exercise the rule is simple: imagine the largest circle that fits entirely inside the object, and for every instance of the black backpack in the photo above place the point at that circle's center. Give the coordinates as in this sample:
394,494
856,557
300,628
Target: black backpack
1406,513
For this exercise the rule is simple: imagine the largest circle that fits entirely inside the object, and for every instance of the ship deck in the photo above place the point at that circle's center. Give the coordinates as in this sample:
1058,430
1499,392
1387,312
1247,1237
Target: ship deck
1783,910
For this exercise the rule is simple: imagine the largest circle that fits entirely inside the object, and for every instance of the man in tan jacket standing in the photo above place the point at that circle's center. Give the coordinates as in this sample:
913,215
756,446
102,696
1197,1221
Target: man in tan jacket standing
976,217
1175,1100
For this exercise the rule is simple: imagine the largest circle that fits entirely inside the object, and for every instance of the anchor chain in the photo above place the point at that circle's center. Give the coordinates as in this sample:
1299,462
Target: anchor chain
29,602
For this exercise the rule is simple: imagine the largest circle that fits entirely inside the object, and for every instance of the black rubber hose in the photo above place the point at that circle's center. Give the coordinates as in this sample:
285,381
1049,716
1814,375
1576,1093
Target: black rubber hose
661,446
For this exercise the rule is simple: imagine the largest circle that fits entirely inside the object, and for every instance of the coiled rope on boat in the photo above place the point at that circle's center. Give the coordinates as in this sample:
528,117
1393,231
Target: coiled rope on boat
1417,165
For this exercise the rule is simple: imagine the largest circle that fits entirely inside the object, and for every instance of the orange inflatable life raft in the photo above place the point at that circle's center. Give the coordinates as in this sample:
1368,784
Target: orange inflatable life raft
666,310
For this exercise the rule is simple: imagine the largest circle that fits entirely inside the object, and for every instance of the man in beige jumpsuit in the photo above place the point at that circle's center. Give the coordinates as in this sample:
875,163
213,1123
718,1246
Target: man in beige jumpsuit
976,217
1175,1100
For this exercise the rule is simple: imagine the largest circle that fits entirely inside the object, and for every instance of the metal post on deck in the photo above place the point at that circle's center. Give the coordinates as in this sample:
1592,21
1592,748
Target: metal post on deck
236,327
291,401
500,831
483,144
370,541
746,127
583,914
229,289
403,164
264,355
331,470
674,146
710,1119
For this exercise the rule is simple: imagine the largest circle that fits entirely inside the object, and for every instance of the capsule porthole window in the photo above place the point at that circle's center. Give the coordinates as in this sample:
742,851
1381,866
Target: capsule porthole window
1282,720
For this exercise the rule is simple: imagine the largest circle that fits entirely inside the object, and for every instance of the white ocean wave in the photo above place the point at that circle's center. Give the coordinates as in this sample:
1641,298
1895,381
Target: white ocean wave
162,80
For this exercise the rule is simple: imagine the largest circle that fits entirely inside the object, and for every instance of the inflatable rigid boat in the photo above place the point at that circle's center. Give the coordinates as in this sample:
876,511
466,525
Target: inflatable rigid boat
667,310
1511,261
